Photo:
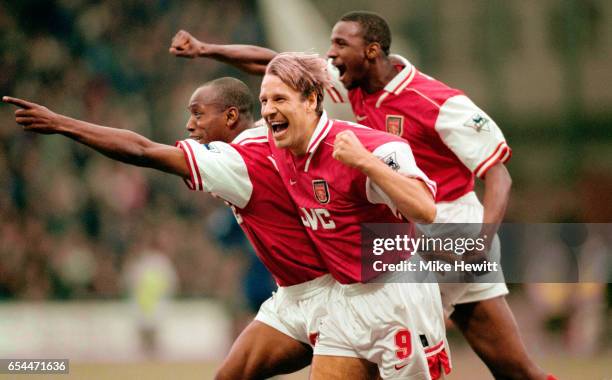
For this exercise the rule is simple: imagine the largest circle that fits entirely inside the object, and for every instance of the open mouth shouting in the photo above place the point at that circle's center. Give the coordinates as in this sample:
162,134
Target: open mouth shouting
341,70
278,127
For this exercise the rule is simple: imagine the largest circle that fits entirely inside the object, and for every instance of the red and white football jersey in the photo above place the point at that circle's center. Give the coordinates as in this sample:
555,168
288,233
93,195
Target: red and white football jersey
334,199
244,175
451,138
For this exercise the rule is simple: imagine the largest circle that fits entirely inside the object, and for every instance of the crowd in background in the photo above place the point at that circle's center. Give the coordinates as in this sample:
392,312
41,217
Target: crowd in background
73,221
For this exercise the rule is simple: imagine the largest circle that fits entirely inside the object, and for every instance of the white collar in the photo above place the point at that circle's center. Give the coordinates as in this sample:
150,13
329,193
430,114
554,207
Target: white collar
403,78
399,81
317,137
319,133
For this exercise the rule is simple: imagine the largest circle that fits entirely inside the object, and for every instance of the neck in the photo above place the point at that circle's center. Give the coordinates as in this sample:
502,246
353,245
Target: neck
381,72
302,147
241,127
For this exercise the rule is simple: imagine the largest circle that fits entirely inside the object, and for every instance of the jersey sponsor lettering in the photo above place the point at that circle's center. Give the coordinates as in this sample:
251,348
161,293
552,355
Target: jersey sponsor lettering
349,198
315,217
245,176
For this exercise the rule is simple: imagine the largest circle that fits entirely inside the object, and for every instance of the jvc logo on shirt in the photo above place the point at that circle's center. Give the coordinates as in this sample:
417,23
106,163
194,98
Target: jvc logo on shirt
313,217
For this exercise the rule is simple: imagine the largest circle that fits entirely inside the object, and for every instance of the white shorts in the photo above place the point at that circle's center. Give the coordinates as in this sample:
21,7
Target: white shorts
467,209
398,326
297,310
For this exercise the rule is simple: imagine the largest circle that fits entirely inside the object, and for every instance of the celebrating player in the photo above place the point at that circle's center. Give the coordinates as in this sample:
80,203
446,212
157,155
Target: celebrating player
341,175
453,141
241,173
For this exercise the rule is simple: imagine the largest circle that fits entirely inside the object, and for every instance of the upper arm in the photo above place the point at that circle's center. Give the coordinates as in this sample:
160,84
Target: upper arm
217,168
471,134
398,156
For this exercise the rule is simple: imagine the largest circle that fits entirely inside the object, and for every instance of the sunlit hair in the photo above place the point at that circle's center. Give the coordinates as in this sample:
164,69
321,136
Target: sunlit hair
303,72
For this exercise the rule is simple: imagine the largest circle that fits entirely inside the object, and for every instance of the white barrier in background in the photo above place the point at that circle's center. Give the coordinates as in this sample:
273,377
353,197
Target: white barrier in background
108,331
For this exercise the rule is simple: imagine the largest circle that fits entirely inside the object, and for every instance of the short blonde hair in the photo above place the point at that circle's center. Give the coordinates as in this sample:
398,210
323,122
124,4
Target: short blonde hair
303,72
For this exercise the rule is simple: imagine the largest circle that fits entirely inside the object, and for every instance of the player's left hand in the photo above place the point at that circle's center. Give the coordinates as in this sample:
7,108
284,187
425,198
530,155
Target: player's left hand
33,117
349,150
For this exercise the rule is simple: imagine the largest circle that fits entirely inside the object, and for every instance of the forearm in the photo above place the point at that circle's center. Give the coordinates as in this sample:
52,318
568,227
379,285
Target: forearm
411,196
123,145
495,199
249,58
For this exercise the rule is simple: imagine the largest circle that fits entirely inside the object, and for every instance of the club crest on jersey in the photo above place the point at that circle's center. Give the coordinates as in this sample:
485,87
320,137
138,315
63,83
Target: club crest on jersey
391,161
321,190
395,124
478,123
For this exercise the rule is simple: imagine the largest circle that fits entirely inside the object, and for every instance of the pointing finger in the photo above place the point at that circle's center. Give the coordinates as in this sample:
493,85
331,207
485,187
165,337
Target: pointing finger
18,102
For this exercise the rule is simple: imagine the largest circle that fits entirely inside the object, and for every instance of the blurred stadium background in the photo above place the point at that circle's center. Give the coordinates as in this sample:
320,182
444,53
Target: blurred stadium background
128,274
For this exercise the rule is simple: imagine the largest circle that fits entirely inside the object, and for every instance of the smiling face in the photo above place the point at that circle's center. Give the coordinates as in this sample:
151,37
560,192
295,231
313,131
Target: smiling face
290,116
208,122
348,53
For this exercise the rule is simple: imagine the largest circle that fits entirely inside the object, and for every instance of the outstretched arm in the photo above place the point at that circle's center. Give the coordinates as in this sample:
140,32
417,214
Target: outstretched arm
118,144
249,58
411,196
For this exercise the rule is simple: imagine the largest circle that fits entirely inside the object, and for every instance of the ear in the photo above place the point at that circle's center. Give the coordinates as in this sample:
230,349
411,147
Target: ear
373,50
231,117
312,101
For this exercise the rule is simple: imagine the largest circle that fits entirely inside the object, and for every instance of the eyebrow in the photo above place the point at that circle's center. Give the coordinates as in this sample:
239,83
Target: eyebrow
197,104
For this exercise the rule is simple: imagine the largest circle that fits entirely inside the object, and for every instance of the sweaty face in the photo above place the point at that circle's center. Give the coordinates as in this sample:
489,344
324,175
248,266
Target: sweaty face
348,53
287,114
208,121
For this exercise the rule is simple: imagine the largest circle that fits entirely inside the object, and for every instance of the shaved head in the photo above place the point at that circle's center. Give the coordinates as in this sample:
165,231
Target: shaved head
220,110
228,92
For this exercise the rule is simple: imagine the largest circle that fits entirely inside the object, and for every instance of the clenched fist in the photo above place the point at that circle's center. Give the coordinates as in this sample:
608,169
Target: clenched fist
185,45
349,150
34,117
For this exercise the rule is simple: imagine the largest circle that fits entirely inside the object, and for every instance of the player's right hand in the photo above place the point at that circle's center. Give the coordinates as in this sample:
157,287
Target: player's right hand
185,45
34,117
349,150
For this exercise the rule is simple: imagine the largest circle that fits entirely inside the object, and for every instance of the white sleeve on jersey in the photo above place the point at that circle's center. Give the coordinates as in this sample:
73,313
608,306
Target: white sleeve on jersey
471,134
398,156
219,169
336,90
